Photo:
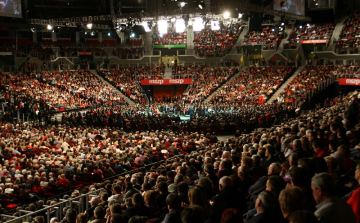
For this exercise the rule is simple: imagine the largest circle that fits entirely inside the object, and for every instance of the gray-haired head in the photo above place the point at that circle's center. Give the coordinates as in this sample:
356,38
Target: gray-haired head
325,182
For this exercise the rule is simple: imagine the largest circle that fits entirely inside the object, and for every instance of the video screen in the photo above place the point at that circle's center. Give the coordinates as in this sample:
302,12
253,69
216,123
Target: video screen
10,8
296,7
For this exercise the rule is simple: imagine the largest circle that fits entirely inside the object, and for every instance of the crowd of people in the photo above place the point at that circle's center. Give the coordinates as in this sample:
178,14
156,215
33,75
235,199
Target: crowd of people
348,41
127,79
255,85
206,80
128,53
296,171
143,163
311,78
38,93
171,38
208,42
206,117
309,32
268,36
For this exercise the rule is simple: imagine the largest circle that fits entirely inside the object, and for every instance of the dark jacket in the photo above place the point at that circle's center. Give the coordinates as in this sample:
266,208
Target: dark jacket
266,217
174,216
229,197
140,210
259,186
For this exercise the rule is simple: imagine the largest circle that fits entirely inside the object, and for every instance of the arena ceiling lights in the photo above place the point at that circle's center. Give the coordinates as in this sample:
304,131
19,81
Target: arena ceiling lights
162,26
89,25
180,26
215,25
201,5
146,26
226,15
198,24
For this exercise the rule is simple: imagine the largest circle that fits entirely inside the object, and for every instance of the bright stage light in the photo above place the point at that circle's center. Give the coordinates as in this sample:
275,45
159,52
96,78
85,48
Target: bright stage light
190,23
162,26
240,15
198,25
215,25
49,27
89,25
173,19
180,26
201,5
146,26
226,15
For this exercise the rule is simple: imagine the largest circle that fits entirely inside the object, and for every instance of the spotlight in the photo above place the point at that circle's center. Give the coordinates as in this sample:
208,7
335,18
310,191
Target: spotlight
190,23
132,35
172,19
282,23
308,25
300,27
201,5
33,30
89,25
226,15
92,33
85,33
109,34
273,30
49,27
182,4
240,15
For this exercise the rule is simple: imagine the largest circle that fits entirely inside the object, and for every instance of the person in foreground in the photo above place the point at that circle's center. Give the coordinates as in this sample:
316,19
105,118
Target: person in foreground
330,208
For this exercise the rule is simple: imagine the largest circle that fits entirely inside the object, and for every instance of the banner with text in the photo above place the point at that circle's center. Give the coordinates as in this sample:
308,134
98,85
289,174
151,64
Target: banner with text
314,41
85,53
349,81
166,81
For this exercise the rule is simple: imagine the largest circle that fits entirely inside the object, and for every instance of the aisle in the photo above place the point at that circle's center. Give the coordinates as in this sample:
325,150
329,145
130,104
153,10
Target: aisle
168,73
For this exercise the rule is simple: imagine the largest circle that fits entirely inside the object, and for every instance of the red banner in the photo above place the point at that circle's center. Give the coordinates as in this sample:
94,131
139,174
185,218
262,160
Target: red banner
349,81
166,81
314,41
85,53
